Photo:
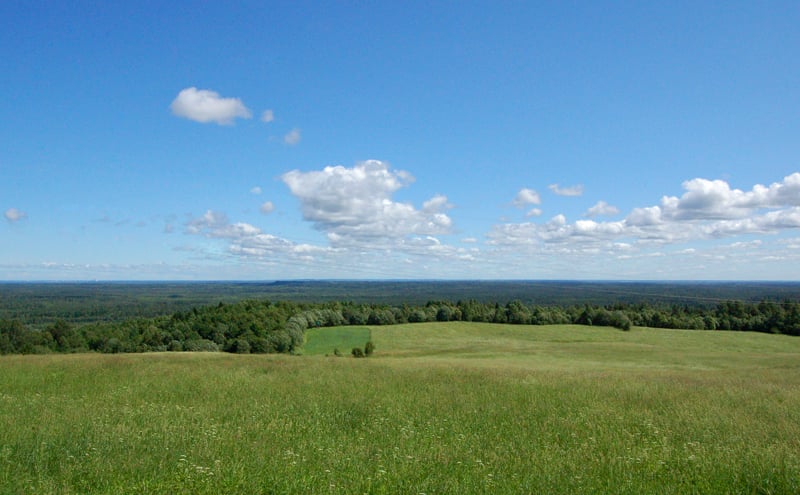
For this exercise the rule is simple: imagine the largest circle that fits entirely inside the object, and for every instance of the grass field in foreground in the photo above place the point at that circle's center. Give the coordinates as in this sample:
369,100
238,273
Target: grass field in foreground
440,408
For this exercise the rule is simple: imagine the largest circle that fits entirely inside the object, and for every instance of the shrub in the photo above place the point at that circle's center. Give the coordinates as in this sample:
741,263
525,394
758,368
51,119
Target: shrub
239,346
200,345
620,320
369,349
260,345
357,352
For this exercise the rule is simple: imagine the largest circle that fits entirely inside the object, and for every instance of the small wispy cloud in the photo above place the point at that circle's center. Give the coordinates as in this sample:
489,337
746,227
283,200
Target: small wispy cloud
576,190
533,212
14,215
204,106
526,197
267,116
292,137
255,190
601,208
267,207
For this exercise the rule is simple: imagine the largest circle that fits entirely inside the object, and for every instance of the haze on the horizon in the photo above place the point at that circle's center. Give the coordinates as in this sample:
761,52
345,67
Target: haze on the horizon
473,140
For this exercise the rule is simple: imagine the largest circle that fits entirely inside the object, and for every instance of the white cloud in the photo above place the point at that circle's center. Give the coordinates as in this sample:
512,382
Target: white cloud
601,208
354,205
202,105
210,221
642,217
746,244
707,210
215,224
267,207
383,255
436,204
770,222
556,230
533,212
267,116
715,200
255,190
292,137
526,197
14,215
566,191
370,233
244,238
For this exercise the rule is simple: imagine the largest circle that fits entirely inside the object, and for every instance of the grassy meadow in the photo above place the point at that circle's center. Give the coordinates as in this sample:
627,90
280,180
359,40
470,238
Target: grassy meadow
440,408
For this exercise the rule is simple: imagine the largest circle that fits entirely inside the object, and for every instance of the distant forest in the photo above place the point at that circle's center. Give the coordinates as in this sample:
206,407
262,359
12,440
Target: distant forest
40,304
236,317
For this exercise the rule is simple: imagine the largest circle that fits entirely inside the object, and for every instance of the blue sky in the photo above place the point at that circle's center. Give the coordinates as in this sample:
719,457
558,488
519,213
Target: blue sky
448,140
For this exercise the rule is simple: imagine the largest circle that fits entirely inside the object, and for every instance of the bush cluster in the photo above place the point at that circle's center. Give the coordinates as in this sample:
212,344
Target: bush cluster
369,348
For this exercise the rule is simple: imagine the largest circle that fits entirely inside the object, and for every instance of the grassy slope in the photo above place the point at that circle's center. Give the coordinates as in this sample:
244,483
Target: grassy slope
441,408
573,346
321,341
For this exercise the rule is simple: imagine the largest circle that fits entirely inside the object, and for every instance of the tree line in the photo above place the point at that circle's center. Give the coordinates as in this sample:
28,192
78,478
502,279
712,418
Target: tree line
262,326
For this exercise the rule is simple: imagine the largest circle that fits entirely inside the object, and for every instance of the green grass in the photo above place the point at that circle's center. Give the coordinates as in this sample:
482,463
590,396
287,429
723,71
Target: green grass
440,408
321,341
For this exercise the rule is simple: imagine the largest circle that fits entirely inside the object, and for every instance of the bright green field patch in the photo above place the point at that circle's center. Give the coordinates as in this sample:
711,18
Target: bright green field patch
440,408
325,340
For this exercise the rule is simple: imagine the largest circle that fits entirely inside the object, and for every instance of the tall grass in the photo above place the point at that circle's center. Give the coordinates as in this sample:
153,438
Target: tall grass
440,408
322,341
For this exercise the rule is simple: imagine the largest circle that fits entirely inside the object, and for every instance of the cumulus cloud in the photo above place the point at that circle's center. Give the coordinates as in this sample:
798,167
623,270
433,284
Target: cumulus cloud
343,258
768,223
292,137
557,229
243,238
370,232
267,116
215,224
526,197
566,191
14,215
354,205
643,217
708,209
267,207
715,200
601,208
203,105
367,231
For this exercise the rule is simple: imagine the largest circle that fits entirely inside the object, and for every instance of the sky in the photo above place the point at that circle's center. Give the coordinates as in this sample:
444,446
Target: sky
399,140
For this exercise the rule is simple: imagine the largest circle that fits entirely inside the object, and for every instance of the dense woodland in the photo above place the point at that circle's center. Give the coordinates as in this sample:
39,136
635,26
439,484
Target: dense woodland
40,304
262,326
